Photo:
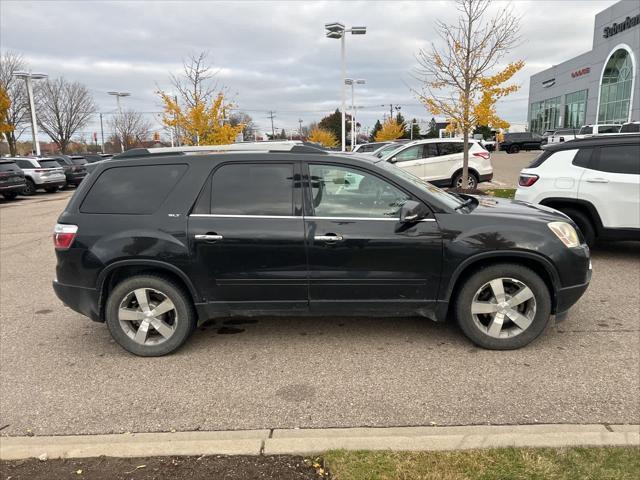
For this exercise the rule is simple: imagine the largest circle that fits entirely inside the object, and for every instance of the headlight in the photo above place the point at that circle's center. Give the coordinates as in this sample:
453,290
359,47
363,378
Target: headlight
566,233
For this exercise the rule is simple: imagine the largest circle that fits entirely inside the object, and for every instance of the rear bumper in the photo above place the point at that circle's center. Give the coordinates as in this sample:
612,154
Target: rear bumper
75,178
79,299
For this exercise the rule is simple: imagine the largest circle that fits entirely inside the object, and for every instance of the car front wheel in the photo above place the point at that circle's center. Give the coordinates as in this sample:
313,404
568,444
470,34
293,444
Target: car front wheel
29,188
149,315
503,307
514,149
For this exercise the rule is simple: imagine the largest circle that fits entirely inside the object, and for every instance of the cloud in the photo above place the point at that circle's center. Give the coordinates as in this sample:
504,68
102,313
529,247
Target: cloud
271,55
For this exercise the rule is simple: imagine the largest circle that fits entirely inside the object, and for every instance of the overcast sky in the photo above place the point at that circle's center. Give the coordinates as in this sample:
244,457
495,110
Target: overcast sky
271,55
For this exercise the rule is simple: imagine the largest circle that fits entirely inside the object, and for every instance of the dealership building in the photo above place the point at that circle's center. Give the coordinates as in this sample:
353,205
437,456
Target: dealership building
599,86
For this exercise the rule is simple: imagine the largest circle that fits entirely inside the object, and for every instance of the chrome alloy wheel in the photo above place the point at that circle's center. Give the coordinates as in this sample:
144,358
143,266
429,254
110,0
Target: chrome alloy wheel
503,307
471,182
147,316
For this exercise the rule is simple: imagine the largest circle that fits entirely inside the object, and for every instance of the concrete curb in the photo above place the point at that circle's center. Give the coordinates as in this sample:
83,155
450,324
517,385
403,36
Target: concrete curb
312,441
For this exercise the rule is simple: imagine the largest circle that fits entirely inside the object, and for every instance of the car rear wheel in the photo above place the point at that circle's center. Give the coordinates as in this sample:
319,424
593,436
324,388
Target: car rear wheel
584,224
503,307
149,315
514,149
10,195
29,188
472,182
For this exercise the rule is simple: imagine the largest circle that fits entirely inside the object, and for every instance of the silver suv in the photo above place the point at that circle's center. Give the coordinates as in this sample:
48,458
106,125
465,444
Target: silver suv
41,174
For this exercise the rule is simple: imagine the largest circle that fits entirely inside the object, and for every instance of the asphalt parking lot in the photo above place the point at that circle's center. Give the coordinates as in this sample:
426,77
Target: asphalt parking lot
62,374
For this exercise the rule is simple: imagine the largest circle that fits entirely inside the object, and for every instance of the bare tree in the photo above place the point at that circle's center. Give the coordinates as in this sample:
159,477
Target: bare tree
248,125
63,108
463,69
130,128
196,84
18,114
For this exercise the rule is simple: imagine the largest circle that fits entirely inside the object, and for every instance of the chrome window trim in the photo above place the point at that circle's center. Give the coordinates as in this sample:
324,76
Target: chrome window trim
222,215
310,217
367,218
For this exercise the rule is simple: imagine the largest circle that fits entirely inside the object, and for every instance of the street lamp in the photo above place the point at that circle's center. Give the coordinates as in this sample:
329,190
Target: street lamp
118,95
352,82
28,76
338,31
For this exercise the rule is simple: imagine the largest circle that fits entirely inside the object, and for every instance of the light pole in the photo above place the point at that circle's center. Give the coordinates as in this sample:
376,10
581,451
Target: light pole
28,76
118,95
338,31
352,82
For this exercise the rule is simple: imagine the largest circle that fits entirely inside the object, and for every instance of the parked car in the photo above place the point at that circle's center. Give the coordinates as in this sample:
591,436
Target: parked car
631,127
156,244
369,147
41,174
488,145
382,151
563,135
439,161
11,179
589,130
544,138
514,142
595,181
74,168
95,157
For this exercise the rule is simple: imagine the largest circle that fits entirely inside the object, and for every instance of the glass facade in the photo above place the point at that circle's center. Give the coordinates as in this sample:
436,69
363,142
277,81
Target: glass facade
575,109
615,90
545,115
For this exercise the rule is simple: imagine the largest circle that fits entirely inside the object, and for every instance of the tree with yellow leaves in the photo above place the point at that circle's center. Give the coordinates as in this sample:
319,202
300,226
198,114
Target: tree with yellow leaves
459,80
323,137
199,114
5,105
391,130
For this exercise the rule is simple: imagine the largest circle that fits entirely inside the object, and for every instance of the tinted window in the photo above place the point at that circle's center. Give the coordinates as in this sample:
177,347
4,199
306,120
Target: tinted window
132,190
345,192
79,161
586,130
630,128
608,129
8,167
250,189
430,150
448,148
583,157
50,163
620,159
24,164
540,159
411,153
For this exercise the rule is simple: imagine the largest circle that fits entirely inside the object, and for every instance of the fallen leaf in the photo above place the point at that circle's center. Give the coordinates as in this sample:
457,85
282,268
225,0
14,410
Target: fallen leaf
79,472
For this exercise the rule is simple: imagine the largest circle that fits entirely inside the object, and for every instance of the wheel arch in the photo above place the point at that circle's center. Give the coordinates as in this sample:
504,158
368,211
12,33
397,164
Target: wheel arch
583,205
119,270
539,264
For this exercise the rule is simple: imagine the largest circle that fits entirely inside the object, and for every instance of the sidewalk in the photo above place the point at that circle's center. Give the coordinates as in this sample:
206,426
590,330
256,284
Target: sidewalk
312,441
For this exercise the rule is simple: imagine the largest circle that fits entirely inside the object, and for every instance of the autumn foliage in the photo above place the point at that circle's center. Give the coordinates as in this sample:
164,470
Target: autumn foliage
391,130
323,137
5,104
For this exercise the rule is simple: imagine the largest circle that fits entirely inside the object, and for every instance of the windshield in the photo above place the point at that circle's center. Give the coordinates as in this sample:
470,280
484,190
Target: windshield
387,149
448,199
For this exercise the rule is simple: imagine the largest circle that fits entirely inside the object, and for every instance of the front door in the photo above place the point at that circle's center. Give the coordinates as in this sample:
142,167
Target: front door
247,238
360,256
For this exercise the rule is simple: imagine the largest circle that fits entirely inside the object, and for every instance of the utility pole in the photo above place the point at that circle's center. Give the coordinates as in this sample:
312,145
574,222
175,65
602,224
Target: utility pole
118,95
102,134
28,76
272,116
300,129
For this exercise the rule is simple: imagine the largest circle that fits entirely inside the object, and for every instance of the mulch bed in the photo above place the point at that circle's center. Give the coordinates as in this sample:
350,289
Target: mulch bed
215,467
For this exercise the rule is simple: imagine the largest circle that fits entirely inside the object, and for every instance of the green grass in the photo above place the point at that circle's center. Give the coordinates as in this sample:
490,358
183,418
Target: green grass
501,192
619,463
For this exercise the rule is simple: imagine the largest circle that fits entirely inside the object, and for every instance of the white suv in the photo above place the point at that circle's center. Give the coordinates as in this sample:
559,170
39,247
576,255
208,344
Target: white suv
41,173
439,161
595,181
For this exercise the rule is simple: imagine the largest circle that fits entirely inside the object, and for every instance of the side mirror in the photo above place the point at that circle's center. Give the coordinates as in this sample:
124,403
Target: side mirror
412,212
393,160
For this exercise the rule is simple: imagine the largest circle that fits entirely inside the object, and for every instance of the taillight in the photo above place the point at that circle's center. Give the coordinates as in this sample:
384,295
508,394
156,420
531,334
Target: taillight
526,179
63,235
484,155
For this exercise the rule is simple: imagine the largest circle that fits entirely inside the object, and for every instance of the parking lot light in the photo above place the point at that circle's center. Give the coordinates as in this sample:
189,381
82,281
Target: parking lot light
28,76
352,82
118,95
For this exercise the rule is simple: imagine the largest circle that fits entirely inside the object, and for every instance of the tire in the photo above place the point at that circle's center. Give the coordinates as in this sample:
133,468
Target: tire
51,189
456,181
534,313
584,224
177,324
514,149
10,195
30,188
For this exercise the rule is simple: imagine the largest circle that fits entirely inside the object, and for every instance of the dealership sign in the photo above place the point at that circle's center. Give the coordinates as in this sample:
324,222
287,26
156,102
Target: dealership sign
581,72
620,27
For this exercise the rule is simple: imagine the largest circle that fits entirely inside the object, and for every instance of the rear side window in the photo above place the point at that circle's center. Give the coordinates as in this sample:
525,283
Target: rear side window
586,130
8,167
136,190
620,159
608,129
24,164
251,189
448,148
630,128
539,160
583,157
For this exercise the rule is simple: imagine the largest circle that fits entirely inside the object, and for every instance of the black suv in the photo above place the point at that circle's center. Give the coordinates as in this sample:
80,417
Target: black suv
156,244
74,168
12,180
514,142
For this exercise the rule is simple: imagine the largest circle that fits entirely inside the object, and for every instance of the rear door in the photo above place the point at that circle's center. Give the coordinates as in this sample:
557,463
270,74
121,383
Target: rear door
612,185
440,167
246,235
360,256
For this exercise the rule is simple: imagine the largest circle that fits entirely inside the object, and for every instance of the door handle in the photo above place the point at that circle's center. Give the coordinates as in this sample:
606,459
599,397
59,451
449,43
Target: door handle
329,237
209,237
597,180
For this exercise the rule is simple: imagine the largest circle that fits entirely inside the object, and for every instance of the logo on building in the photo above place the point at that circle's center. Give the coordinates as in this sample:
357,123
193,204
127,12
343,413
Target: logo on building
581,72
622,26
549,83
